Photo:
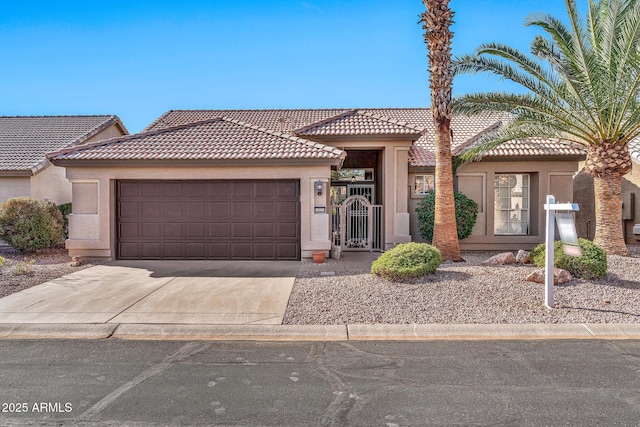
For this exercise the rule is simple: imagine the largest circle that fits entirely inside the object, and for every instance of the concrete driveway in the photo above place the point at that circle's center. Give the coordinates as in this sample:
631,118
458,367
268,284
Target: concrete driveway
166,292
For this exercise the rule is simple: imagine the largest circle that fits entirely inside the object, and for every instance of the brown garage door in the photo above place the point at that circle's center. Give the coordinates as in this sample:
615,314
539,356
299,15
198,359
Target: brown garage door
208,219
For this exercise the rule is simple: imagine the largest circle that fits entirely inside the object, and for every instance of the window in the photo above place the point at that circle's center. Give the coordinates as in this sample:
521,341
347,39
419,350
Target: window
511,204
422,184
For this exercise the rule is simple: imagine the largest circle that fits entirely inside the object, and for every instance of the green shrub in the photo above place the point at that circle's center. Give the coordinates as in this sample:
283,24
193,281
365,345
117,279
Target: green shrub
406,261
2,261
591,265
28,224
466,215
65,210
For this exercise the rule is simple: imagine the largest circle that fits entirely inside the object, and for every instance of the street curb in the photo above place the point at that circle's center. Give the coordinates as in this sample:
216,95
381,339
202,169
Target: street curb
56,330
232,332
354,332
492,332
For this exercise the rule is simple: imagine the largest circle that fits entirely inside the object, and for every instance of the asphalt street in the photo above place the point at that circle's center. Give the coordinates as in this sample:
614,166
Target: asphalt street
154,383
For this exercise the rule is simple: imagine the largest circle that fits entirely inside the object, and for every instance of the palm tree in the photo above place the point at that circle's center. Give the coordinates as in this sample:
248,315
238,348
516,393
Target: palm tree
436,22
583,86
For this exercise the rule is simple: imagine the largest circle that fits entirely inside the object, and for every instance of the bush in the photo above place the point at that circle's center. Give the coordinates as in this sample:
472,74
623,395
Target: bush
406,261
65,210
591,265
466,215
28,224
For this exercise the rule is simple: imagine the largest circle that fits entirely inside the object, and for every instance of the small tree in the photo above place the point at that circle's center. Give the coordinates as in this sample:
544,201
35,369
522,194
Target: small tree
466,215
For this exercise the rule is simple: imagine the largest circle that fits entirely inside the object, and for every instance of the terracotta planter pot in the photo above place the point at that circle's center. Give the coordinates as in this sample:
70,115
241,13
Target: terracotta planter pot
318,257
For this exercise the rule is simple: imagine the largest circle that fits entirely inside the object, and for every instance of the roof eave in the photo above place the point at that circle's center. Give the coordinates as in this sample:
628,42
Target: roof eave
197,163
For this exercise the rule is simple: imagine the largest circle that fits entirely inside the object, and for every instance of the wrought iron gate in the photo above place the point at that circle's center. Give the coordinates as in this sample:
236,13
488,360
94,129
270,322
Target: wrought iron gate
357,224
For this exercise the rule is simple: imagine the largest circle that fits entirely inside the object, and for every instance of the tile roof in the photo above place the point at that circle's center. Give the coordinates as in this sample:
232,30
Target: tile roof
360,122
537,147
25,140
218,138
280,125
277,120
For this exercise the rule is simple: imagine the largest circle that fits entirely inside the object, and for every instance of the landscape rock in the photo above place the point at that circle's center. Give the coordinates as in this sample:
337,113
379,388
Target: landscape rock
501,259
523,257
560,276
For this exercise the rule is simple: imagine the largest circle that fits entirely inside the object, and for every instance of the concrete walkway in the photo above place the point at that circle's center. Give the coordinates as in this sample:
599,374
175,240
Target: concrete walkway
219,300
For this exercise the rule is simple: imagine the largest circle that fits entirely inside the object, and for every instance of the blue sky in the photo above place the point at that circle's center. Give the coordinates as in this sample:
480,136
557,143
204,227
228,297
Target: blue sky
138,59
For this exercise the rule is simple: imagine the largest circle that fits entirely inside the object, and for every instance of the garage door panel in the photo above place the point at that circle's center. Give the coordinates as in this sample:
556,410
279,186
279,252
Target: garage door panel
150,250
128,209
150,209
257,219
219,210
150,229
173,250
264,250
287,190
197,230
241,209
288,230
289,251
218,190
219,250
241,190
129,250
172,190
264,230
127,189
172,209
241,250
241,230
196,209
264,209
195,189
197,250
150,190
219,230
128,229
264,190
288,210
174,230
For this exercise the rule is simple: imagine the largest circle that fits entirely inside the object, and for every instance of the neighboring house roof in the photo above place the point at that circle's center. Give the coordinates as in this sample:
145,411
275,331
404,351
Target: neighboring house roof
218,138
25,140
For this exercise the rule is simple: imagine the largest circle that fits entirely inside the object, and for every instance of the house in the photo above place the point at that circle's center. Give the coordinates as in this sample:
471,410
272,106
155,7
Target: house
280,184
25,141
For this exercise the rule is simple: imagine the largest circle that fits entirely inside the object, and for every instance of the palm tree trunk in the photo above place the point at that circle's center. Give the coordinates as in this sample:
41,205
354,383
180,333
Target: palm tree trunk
445,230
437,22
607,163
609,234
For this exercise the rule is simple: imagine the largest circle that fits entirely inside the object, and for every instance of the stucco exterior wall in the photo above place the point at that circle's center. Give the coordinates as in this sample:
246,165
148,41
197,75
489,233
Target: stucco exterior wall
51,184
584,196
92,223
476,180
14,187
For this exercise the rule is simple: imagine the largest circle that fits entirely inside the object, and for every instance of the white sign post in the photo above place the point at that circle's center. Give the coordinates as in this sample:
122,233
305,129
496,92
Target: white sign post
551,207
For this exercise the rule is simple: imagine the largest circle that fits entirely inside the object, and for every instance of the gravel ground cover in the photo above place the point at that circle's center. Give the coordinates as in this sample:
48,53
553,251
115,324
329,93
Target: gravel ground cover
22,271
458,293
467,292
